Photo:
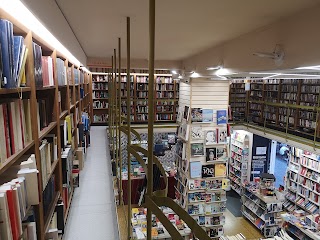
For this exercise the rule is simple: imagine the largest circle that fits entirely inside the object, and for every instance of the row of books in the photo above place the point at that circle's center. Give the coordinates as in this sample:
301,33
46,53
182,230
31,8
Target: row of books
100,86
162,80
44,114
161,87
271,87
206,209
15,130
164,108
102,118
142,79
164,116
100,104
99,78
209,221
310,89
99,94
165,94
141,109
16,197
291,88
142,94
13,56
48,154
305,204
124,78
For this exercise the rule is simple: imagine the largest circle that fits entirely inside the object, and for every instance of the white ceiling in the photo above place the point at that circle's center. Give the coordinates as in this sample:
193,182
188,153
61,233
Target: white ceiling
183,27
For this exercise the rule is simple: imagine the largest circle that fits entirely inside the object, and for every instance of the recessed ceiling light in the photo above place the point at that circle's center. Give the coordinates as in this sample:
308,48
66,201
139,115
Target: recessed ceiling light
214,68
174,72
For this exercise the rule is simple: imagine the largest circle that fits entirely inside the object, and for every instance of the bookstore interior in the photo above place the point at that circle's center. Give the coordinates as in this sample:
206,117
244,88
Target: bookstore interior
237,149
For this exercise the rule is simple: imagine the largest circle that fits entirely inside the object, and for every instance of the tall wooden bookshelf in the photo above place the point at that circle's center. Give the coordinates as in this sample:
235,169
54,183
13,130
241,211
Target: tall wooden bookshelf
166,97
289,105
60,100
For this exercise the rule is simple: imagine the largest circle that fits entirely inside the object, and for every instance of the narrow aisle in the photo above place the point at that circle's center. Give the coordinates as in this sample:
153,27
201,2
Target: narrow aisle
93,215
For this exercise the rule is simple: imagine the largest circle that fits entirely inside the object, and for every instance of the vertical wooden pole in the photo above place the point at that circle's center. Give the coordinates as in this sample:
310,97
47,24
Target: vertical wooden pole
150,110
116,118
119,111
111,116
129,127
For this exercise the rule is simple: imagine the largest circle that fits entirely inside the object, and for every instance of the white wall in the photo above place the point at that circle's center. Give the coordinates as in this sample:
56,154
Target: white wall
298,34
47,12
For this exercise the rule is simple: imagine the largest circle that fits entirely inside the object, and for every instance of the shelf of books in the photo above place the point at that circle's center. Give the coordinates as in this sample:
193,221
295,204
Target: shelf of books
302,182
202,155
238,100
39,93
280,104
166,97
239,164
262,206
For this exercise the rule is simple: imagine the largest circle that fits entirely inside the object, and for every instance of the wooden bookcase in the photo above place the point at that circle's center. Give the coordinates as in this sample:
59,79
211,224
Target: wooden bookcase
65,99
288,105
166,97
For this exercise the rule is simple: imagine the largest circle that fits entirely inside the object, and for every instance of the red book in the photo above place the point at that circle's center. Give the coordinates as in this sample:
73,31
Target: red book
13,215
6,129
11,127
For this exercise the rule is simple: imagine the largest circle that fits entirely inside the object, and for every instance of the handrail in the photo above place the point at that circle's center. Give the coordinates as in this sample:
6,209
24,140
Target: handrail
155,201
162,192
135,153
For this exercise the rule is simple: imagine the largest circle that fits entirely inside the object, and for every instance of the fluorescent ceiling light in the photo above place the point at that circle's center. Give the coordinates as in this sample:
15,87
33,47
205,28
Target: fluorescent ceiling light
214,68
317,67
271,76
222,77
263,73
21,13
174,72
180,77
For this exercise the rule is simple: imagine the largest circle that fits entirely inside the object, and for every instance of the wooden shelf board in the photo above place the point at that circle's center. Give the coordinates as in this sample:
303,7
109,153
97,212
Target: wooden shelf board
12,159
72,106
46,130
99,89
100,108
14,90
46,88
62,86
63,114
51,211
100,99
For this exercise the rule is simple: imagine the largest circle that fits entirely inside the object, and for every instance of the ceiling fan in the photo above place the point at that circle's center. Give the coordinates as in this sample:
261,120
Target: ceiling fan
277,55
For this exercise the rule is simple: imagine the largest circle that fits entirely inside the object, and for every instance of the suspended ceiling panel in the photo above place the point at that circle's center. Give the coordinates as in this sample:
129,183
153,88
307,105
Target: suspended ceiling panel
183,27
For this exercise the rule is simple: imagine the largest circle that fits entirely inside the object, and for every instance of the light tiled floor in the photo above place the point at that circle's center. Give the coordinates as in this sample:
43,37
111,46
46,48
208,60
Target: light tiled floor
93,212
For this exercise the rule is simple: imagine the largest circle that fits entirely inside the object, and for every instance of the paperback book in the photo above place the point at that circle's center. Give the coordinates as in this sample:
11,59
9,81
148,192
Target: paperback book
196,115
211,154
196,133
211,137
195,169
221,117
207,115
197,149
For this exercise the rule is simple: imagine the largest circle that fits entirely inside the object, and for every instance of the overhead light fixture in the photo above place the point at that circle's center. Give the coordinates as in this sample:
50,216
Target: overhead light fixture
214,68
317,67
180,76
271,76
22,14
262,73
222,77
195,75
174,72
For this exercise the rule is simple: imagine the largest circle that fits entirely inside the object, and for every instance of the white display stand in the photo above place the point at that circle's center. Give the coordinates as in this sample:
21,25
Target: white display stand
202,155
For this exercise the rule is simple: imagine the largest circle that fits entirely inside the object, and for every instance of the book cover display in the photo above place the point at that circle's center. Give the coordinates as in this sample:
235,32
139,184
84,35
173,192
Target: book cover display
196,133
197,149
221,117
211,137
196,115
207,115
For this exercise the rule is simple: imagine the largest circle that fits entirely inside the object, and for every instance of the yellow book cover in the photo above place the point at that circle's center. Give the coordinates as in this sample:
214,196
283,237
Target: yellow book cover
69,133
220,170
154,232
134,212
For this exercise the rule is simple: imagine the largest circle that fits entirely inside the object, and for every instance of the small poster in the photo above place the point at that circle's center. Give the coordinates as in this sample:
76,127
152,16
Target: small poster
211,154
207,115
195,169
196,115
261,150
211,137
186,113
222,135
197,149
197,133
221,117
208,171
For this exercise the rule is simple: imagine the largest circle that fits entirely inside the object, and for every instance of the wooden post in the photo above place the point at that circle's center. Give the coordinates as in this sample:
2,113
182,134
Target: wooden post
129,128
150,110
119,112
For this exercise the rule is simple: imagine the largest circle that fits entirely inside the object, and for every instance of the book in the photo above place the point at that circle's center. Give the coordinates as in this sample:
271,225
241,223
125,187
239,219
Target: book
195,169
196,133
37,54
221,117
5,226
221,153
207,115
208,171
220,170
211,154
222,135
196,115
186,113
197,149
211,137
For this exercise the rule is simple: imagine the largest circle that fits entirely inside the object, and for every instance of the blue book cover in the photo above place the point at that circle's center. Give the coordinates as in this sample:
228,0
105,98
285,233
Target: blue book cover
221,117
18,45
195,169
207,115
6,51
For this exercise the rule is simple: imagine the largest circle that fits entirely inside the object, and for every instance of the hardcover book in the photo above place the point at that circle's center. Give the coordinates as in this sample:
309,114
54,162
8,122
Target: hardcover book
195,169
197,149
207,115
196,115
222,135
197,133
211,137
186,113
221,117
211,154
208,170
